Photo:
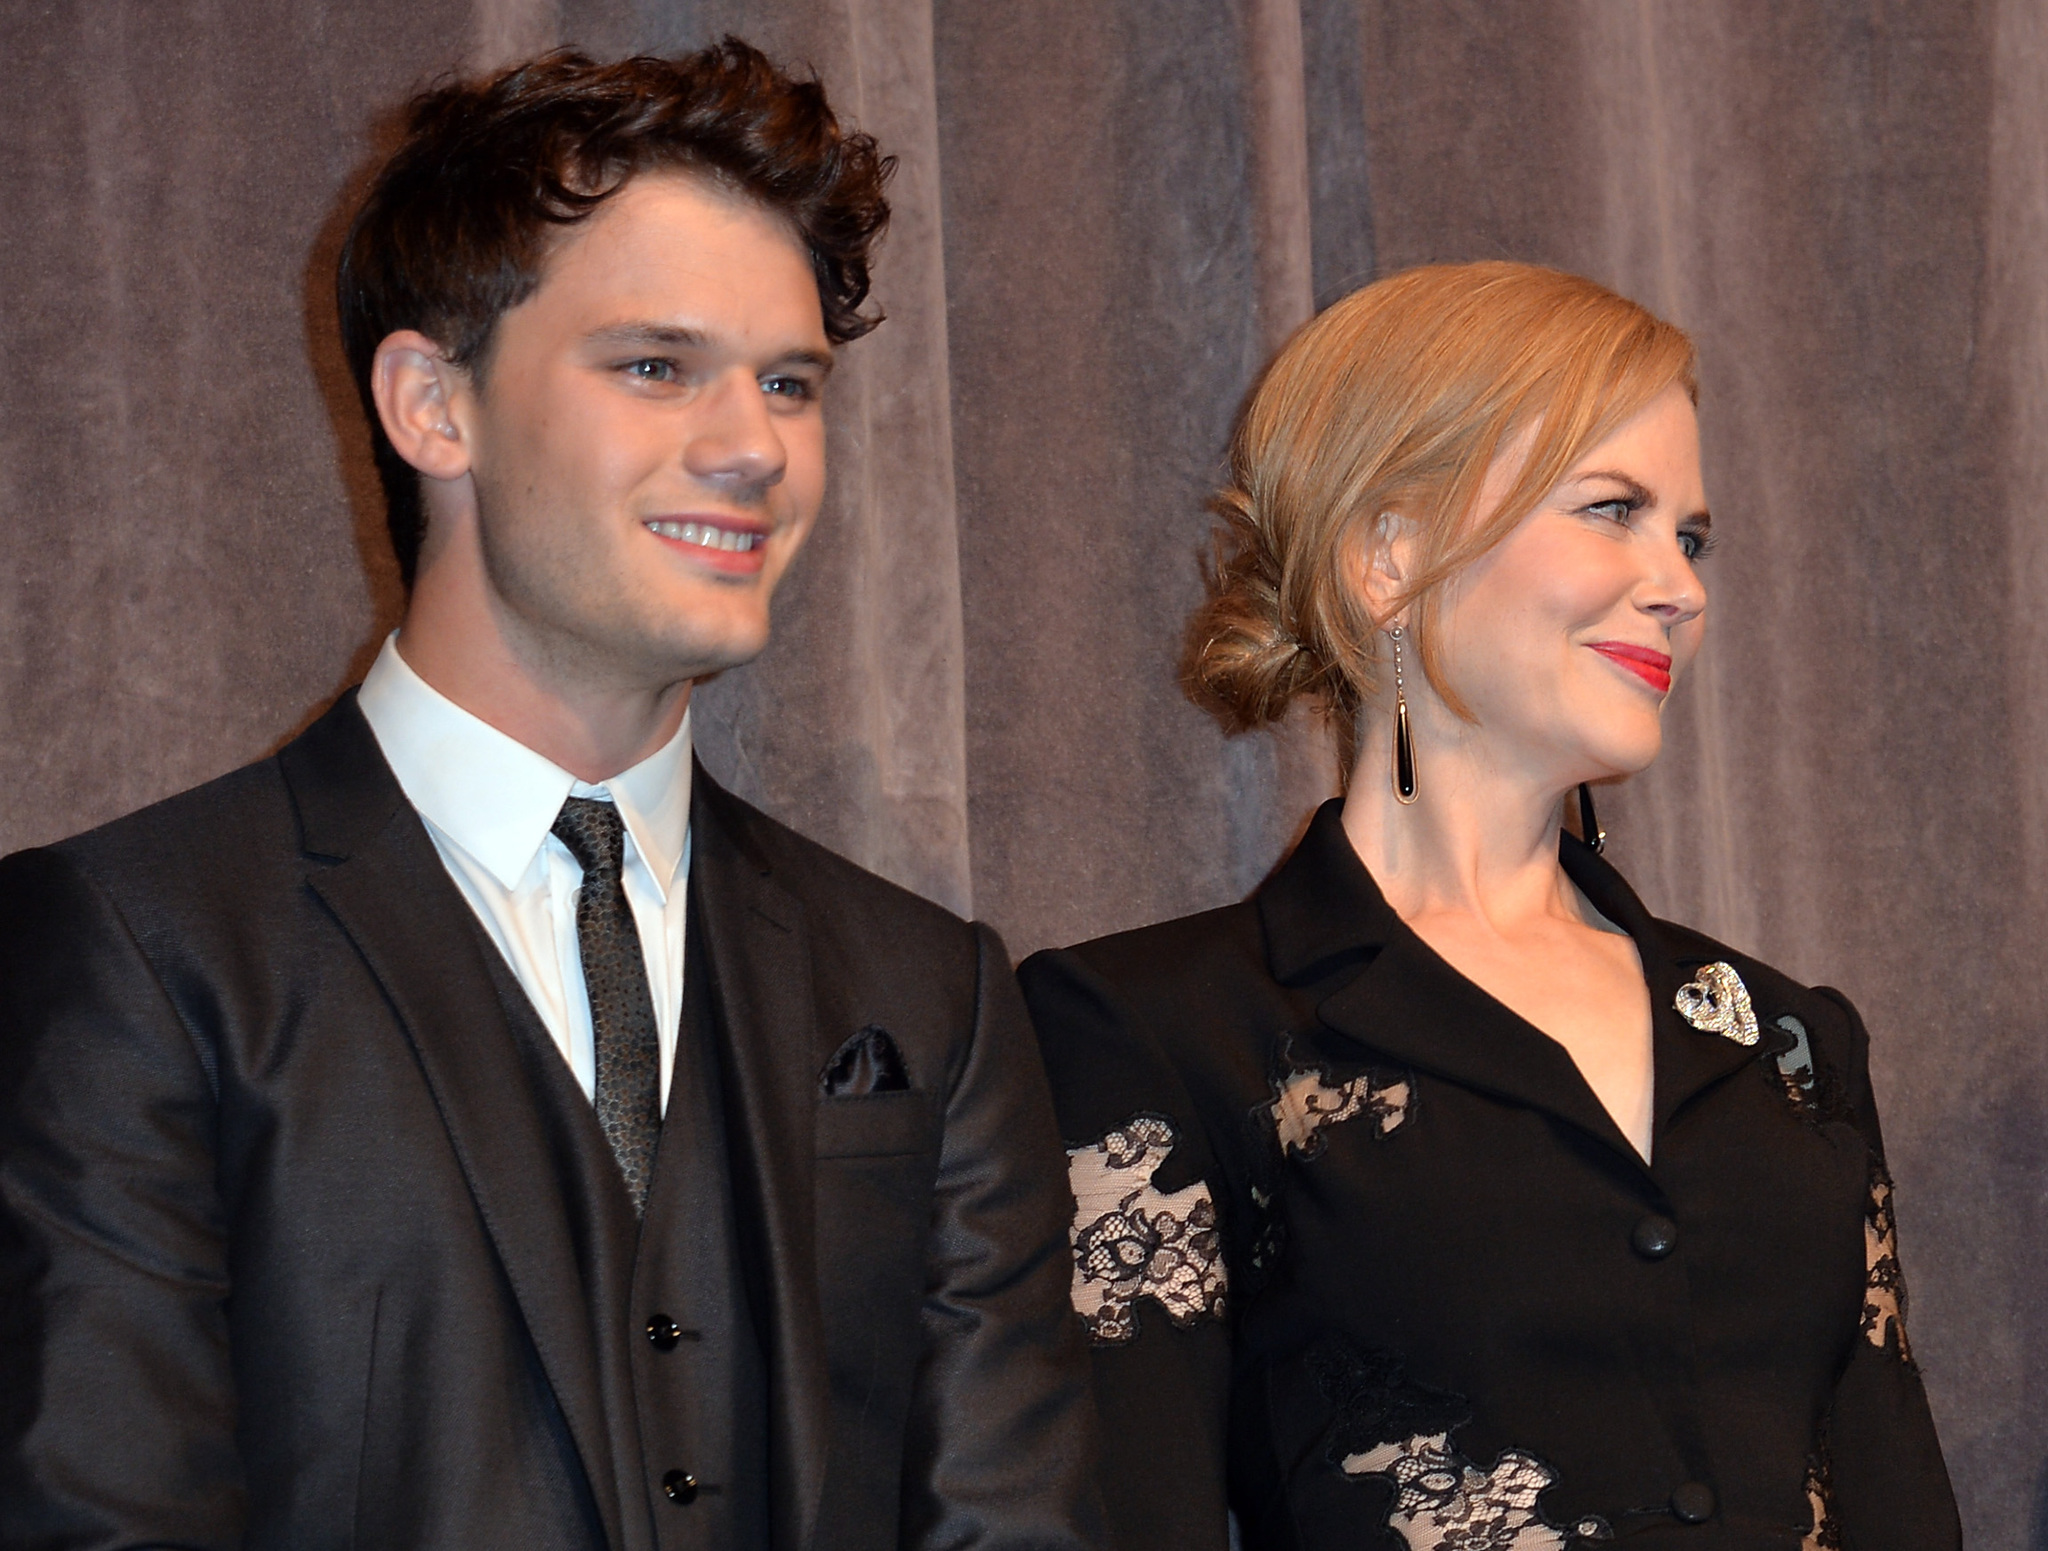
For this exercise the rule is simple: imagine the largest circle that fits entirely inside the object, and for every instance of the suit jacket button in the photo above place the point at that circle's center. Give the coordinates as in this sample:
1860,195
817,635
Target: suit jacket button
1654,1237
681,1486
663,1332
1693,1503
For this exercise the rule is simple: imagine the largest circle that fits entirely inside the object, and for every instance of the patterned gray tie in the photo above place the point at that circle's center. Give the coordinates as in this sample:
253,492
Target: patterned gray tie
621,1009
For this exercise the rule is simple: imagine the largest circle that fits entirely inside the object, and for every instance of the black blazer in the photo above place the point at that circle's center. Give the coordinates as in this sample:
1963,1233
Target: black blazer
1360,1249
278,1239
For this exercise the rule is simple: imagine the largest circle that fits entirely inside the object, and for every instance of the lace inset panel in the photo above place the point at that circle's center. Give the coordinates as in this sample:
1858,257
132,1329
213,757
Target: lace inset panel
1132,1240
1388,1424
1444,1502
1306,1104
1826,1534
1884,1291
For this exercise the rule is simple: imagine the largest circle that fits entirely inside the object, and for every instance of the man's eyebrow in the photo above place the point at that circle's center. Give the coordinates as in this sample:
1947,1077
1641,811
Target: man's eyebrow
673,336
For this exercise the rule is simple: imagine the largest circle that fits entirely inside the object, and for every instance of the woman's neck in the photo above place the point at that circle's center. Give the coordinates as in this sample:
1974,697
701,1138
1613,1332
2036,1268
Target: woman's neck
1479,841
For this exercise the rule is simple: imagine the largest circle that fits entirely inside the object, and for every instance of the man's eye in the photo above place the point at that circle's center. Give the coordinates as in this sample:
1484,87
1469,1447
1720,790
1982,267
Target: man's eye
651,369
786,387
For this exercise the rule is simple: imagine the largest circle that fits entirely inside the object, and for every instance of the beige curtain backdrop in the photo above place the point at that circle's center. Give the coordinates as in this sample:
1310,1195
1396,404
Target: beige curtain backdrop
1108,213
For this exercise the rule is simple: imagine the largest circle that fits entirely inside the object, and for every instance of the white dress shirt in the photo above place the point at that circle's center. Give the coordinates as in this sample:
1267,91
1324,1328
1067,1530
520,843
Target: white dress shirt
490,803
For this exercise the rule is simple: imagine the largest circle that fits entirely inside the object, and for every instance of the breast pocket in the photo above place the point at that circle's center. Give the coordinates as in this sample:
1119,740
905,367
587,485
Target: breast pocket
877,1125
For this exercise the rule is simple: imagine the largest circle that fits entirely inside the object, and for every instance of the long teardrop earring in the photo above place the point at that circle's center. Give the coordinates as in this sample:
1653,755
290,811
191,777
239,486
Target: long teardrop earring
1405,789
1589,826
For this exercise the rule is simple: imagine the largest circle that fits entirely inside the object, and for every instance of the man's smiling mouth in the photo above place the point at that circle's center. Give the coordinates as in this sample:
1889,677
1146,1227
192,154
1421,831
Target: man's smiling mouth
709,535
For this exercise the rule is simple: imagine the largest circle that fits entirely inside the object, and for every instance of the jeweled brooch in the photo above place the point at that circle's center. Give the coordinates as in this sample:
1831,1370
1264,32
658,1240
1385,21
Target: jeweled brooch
1717,1002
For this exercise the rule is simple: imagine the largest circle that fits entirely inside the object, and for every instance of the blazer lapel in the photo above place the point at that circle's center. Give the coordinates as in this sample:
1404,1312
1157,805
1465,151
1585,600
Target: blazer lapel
757,947
378,873
1688,1060
1322,910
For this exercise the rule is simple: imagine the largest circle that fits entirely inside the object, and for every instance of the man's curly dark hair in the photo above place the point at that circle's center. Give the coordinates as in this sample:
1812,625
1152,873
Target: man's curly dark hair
458,224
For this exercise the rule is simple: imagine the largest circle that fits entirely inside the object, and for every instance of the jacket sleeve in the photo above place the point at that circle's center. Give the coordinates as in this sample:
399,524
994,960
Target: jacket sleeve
116,1396
1149,1281
1001,1447
1881,1467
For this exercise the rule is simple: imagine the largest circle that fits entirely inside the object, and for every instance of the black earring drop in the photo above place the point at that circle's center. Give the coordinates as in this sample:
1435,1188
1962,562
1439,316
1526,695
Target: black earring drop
1589,826
1404,741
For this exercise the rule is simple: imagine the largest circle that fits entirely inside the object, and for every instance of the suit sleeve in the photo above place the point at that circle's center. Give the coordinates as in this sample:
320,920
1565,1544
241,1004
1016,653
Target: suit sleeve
1149,1282
1002,1440
116,1398
1886,1479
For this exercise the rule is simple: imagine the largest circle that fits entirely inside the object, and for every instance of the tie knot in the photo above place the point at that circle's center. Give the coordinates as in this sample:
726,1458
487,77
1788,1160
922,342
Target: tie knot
594,834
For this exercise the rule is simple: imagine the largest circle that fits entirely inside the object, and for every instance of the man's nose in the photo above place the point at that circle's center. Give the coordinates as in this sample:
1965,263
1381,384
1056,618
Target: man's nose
733,441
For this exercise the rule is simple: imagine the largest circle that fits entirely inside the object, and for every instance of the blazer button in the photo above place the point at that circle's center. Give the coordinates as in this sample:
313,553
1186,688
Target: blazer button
1654,1237
663,1332
1693,1503
681,1487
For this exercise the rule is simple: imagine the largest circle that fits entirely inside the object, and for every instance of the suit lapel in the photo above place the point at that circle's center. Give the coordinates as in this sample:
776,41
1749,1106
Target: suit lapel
757,947
378,873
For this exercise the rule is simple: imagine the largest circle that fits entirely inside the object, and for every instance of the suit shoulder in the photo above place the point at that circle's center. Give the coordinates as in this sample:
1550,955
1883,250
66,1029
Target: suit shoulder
859,899
237,815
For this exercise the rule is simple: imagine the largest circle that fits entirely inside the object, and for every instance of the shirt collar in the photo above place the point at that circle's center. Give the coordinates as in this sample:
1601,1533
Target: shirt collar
497,798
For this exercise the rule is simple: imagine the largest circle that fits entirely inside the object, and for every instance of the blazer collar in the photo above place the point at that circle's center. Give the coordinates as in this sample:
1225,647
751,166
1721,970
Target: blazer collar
378,874
1329,929
756,943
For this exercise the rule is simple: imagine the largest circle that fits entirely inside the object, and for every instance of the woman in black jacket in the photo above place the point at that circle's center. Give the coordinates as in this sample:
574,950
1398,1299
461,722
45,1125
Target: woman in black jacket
1439,1197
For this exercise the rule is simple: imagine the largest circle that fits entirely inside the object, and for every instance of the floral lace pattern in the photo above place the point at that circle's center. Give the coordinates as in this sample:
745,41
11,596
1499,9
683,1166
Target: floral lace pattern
1132,1240
1884,1289
1826,1534
1715,1001
1305,1104
1388,1424
1444,1502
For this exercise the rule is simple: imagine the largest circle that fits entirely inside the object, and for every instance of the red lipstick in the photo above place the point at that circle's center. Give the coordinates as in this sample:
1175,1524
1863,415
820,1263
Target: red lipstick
1646,663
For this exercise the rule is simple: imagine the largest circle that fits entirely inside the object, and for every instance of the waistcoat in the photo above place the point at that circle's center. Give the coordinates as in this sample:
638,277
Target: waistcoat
680,1360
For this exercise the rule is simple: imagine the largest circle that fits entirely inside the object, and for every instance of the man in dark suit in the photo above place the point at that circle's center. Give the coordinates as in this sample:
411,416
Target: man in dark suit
472,1127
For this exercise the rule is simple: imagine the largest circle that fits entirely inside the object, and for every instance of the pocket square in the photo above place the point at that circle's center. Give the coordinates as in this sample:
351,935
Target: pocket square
867,1063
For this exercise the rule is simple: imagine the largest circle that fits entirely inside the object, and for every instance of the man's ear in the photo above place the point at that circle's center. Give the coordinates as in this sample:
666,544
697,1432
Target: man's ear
1383,554
415,388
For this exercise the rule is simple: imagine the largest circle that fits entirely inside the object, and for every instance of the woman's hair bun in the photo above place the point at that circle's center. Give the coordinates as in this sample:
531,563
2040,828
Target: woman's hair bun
1243,661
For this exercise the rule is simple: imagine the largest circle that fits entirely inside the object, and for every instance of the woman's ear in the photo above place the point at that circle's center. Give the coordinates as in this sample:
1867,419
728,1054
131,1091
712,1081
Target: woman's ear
1385,553
416,388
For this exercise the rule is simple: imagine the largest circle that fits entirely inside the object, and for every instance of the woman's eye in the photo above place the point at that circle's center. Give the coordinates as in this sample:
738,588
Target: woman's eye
1695,544
1616,510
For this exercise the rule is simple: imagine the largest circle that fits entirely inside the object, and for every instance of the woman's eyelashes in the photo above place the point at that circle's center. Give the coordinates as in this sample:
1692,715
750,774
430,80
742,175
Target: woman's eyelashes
1695,537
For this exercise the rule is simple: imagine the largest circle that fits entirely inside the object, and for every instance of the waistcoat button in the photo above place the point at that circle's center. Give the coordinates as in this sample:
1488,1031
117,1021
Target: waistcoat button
663,1332
1693,1503
1654,1237
681,1486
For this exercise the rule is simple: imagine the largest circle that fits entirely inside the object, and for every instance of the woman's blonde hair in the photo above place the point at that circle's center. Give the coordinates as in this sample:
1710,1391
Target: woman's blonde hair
1397,399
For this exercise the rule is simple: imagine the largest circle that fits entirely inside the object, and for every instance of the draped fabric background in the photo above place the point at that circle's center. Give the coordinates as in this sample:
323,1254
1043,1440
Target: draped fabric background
1107,215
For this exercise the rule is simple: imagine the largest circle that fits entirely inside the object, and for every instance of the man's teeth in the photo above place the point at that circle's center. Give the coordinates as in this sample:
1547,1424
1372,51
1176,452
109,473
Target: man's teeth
708,535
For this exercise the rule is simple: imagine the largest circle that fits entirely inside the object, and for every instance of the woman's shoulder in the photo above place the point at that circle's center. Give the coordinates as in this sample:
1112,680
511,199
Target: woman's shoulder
1808,1029
1154,970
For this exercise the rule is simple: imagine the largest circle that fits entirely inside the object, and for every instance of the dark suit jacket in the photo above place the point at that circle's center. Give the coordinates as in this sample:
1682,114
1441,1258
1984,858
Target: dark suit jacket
1455,1293
281,1255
